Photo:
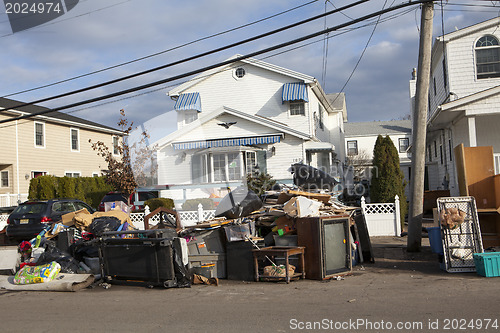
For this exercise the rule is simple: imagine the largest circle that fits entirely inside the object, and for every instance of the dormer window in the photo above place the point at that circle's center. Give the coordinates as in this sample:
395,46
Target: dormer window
487,57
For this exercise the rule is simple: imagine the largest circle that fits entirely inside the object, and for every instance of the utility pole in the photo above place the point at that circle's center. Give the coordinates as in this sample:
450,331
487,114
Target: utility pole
414,241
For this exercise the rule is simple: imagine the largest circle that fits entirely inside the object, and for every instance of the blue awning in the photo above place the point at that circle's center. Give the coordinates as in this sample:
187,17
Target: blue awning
228,142
189,101
296,91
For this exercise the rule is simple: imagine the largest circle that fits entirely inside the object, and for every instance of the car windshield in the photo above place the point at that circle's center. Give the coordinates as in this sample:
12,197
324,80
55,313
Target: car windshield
30,208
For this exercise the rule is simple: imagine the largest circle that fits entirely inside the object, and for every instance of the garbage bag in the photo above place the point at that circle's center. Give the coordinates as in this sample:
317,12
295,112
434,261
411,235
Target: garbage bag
68,264
81,249
102,224
238,203
310,178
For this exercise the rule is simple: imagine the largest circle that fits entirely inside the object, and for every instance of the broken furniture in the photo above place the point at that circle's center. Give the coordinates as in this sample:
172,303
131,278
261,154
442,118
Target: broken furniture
476,178
328,245
282,251
461,233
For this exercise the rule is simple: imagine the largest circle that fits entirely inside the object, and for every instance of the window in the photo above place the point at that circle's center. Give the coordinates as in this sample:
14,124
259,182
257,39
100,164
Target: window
75,142
430,153
434,80
95,174
190,116
250,161
320,111
352,147
222,167
297,109
487,57
445,74
451,151
116,151
240,72
404,143
39,134
435,149
35,174
441,153
4,175
72,174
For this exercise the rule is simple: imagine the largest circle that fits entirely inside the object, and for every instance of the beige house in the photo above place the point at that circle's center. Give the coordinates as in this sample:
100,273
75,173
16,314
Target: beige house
52,144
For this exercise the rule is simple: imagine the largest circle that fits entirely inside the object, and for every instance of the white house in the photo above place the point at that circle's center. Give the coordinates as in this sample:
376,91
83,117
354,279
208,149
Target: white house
464,99
250,114
360,140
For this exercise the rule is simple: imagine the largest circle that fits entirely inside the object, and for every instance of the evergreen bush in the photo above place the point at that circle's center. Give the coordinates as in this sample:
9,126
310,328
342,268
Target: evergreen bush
159,202
192,204
387,178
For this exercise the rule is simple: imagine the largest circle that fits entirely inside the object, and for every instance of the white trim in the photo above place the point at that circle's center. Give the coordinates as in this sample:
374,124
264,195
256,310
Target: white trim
34,134
71,129
66,122
113,144
471,122
1,179
95,174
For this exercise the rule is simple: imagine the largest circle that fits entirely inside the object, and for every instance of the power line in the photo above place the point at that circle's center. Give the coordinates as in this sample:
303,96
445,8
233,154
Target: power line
161,52
189,58
220,64
342,31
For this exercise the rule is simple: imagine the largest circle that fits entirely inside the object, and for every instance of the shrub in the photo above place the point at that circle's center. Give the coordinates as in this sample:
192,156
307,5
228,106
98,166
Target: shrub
387,178
159,202
259,182
192,204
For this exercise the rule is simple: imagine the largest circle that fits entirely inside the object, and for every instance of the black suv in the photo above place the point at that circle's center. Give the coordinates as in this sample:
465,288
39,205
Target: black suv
31,217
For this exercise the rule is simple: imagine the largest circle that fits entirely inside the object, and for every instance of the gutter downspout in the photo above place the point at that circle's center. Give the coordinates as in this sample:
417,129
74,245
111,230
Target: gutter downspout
17,159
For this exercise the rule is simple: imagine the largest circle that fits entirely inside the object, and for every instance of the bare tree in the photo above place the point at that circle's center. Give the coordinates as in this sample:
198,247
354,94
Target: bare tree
359,164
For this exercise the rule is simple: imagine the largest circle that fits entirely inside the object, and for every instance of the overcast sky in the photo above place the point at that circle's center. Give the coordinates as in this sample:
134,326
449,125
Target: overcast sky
98,34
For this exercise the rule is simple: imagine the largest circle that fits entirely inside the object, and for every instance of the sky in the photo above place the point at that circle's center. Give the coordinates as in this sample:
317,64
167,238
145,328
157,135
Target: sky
373,72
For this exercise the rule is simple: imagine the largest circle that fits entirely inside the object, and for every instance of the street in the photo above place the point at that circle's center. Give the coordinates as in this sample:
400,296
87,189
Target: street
400,292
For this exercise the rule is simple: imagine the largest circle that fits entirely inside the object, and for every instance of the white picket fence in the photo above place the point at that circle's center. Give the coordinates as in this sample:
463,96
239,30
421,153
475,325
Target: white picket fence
11,200
382,219
3,221
187,217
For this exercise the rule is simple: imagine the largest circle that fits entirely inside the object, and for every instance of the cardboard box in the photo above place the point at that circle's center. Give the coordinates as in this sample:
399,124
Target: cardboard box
67,219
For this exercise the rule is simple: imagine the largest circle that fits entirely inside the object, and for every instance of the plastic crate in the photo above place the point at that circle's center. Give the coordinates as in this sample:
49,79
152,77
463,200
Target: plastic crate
487,264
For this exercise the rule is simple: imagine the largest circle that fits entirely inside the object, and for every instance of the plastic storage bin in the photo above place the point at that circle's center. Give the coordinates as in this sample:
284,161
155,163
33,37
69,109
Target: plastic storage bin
435,240
487,264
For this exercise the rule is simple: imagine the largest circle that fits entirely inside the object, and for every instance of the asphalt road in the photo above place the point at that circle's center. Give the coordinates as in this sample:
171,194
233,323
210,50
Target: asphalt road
401,292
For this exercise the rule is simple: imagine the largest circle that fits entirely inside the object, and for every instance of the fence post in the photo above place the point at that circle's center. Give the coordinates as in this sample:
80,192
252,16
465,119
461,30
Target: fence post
397,211
363,204
200,213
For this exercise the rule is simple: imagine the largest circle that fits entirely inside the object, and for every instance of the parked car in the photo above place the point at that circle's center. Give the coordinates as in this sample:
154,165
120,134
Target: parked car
111,197
138,198
31,217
